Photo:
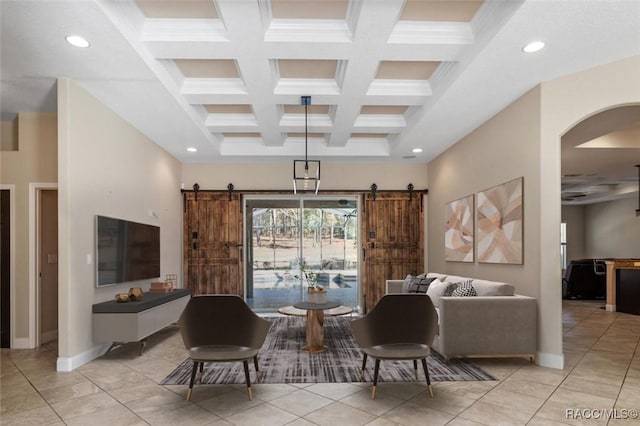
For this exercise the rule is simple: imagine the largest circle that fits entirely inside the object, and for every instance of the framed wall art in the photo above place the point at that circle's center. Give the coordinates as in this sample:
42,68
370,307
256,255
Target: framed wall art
500,223
458,232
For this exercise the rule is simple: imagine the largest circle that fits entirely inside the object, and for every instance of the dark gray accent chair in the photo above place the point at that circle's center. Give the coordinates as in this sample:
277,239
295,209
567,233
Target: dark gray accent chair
222,328
399,327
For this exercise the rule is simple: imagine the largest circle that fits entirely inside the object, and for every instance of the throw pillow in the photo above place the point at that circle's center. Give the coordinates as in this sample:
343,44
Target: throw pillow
419,284
464,289
435,291
451,287
406,283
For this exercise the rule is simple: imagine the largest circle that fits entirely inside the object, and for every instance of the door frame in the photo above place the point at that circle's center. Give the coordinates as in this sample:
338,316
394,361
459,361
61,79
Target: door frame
12,260
300,198
34,247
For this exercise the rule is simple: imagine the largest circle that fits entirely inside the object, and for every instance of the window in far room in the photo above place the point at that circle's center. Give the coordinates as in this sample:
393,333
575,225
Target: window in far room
563,245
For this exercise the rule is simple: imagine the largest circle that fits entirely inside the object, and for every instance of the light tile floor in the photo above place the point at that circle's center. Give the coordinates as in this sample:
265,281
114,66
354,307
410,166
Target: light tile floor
602,372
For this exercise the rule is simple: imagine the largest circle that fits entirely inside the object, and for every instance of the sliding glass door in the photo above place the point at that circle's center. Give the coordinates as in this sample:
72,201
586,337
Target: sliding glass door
286,237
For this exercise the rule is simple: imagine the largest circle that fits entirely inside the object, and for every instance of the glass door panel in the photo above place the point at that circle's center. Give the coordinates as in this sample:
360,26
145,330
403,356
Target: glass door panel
273,227
288,237
330,246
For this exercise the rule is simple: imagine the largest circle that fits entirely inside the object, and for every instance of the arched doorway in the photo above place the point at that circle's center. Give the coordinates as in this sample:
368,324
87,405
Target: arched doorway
599,187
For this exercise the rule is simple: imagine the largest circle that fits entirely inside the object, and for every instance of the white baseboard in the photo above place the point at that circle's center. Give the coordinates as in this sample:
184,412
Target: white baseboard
21,343
550,360
71,363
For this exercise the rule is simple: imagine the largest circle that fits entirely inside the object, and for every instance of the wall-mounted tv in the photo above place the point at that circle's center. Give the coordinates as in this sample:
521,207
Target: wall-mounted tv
126,251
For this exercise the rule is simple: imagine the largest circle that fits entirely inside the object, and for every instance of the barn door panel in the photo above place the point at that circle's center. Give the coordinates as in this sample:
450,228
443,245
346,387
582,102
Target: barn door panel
393,246
213,243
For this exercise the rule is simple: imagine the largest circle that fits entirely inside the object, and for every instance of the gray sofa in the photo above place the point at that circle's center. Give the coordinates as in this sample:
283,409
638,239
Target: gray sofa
495,323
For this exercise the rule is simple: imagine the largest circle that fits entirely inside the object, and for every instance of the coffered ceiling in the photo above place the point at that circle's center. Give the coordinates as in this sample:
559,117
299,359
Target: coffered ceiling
225,76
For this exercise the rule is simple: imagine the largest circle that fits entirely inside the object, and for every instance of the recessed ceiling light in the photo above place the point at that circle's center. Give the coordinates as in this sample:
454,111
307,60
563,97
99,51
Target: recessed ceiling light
192,149
417,150
534,46
77,41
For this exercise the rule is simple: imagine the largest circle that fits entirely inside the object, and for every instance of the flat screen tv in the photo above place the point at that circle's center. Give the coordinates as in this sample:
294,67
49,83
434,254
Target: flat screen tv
126,251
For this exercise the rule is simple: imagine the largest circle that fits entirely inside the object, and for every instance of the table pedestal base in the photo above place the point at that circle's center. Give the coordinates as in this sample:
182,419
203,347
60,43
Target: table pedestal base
315,331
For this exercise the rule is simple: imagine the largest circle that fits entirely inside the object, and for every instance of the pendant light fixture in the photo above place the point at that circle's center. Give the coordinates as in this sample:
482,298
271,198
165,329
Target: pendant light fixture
306,173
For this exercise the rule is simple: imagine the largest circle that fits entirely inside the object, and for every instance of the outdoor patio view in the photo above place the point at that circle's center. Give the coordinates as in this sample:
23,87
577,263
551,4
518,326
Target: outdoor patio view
292,237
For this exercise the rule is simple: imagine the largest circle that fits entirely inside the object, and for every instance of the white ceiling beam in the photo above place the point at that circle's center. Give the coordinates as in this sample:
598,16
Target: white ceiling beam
372,23
308,30
183,30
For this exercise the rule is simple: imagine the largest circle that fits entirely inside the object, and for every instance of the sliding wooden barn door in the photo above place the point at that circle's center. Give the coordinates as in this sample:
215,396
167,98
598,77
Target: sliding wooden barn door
213,243
393,241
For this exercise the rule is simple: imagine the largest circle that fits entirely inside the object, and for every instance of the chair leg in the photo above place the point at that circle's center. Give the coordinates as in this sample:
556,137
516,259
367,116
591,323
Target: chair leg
200,372
194,370
426,373
246,375
255,364
364,365
375,378
415,368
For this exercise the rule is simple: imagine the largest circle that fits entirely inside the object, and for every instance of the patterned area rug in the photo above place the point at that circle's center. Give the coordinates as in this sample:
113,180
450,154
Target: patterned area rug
282,360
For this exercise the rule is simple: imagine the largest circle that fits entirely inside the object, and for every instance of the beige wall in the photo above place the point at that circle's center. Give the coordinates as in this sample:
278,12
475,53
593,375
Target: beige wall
524,140
565,102
279,176
9,135
108,168
502,149
576,233
612,229
34,162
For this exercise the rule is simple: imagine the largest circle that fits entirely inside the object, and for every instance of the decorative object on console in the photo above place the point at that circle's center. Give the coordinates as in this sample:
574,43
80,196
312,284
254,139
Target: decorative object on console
135,294
160,287
172,280
500,223
458,235
122,297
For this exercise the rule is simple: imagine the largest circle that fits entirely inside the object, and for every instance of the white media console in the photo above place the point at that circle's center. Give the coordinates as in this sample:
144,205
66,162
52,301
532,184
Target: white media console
119,323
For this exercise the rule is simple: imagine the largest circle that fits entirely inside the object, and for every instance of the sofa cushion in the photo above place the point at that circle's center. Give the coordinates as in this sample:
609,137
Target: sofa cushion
435,291
492,288
441,277
464,289
455,279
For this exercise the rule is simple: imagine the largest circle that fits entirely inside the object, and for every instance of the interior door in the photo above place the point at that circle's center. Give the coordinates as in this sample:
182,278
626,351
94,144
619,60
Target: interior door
5,270
48,268
393,241
213,243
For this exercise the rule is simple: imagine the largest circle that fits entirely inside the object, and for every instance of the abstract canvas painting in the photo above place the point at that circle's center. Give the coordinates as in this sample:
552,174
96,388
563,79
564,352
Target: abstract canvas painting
458,230
500,223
